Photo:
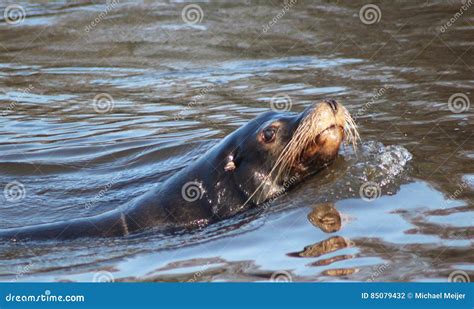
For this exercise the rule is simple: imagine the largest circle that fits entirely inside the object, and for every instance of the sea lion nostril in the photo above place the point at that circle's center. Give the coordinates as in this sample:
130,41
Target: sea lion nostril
332,103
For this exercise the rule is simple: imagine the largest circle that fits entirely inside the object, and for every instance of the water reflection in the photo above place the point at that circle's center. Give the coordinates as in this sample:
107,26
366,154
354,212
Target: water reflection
324,247
328,219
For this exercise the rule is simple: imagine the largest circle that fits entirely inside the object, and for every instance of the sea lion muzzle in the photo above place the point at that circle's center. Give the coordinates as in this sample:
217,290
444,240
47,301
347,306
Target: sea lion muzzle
314,142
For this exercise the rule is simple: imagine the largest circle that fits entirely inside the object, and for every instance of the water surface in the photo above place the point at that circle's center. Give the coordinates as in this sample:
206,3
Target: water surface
171,89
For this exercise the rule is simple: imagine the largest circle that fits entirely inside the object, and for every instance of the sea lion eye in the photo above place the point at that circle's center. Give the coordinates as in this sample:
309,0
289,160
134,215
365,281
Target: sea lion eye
269,134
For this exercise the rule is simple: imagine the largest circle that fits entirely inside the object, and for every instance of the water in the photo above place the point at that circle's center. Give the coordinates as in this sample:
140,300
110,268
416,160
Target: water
177,88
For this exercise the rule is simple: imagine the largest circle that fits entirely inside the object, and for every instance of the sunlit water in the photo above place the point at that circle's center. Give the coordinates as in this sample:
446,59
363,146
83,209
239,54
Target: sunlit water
177,88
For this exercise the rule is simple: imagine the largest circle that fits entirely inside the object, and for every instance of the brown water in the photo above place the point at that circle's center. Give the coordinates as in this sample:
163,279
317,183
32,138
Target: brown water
171,89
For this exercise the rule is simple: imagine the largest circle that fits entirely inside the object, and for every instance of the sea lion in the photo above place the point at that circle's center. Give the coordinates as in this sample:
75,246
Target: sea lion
257,162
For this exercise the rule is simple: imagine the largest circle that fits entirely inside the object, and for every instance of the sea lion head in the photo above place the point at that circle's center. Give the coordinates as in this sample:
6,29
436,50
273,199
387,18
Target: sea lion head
277,150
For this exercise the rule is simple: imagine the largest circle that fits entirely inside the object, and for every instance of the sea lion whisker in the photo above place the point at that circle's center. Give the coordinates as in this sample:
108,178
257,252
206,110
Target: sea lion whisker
304,137
278,161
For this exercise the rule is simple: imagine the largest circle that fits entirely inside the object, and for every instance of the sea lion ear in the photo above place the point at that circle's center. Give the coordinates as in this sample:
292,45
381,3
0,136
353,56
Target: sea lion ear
230,166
